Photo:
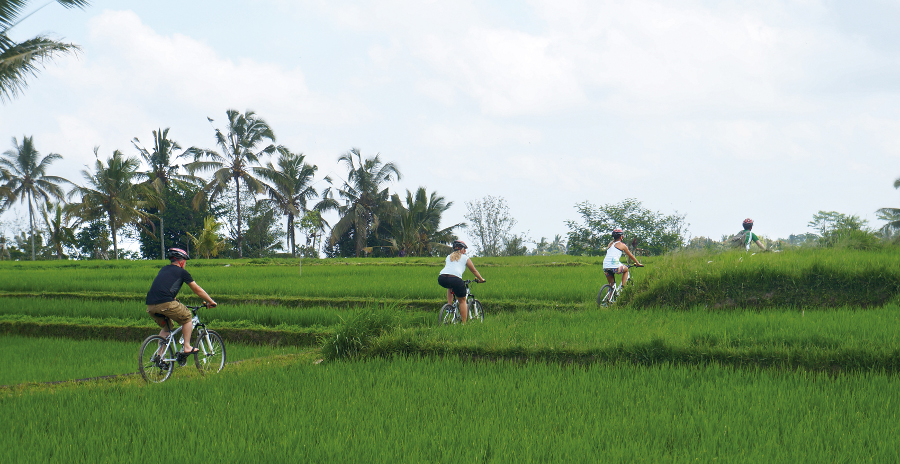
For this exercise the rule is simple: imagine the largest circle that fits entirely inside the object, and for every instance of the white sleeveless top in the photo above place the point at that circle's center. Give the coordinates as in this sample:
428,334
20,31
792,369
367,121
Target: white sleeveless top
455,267
613,254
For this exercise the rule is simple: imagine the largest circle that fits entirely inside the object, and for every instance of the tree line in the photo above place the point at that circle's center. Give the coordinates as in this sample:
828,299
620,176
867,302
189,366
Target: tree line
227,200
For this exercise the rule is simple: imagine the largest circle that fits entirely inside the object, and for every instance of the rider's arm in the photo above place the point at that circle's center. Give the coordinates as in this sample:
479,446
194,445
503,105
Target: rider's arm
202,294
474,271
631,256
759,244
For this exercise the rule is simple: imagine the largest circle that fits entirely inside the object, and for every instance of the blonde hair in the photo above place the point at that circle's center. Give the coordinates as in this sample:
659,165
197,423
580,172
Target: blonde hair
455,255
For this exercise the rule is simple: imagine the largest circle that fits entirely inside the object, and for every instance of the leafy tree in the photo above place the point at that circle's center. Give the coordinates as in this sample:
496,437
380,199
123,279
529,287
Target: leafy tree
836,229
113,193
60,233
209,242
365,197
25,174
240,153
657,233
313,226
514,245
263,235
290,187
179,217
163,174
490,222
92,240
415,225
21,59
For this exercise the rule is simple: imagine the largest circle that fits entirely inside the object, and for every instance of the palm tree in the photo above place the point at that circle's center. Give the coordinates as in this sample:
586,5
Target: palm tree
363,195
209,242
245,133
414,226
114,192
162,172
290,187
18,60
27,180
61,233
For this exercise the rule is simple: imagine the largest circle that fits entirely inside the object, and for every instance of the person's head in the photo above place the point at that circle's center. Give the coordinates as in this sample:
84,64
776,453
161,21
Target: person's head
617,234
177,256
460,246
748,224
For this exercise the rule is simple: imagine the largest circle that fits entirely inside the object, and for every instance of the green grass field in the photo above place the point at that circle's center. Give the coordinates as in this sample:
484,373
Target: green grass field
449,410
782,357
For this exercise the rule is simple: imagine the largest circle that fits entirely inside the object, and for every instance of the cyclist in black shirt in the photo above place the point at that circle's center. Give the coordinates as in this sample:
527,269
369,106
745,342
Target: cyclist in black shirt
161,302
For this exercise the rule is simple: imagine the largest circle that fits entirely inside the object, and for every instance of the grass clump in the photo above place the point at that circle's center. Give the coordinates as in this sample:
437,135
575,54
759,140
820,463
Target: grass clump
358,332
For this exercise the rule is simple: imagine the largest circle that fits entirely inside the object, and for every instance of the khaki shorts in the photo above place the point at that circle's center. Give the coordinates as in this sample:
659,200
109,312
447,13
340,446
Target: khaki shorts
173,310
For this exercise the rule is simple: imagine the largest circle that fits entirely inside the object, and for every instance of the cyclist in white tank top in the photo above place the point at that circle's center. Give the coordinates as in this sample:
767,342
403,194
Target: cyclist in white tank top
611,263
451,276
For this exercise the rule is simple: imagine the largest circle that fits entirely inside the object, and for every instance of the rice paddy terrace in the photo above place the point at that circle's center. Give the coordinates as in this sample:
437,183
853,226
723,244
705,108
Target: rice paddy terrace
785,357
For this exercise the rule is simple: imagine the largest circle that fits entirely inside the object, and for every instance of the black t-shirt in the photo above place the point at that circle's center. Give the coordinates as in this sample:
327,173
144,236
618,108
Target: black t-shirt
167,284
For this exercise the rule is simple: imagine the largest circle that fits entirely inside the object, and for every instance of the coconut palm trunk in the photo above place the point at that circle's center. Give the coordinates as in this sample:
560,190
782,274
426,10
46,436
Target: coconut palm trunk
31,223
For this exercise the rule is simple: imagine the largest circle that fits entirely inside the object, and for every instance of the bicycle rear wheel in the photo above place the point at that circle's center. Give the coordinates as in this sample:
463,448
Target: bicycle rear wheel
476,310
155,368
211,357
605,297
446,315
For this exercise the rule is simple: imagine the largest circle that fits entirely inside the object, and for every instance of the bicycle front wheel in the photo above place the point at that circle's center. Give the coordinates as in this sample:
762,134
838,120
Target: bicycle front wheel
476,311
605,297
446,315
155,368
211,358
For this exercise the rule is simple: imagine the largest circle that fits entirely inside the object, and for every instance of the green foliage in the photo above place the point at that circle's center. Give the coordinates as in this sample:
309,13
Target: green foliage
179,220
656,233
366,199
92,241
18,60
490,223
357,333
455,410
208,242
414,227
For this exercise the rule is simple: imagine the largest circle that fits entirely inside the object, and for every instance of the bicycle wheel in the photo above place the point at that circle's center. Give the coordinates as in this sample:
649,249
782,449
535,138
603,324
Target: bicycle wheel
211,358
605,297
476,310
154,368
446,315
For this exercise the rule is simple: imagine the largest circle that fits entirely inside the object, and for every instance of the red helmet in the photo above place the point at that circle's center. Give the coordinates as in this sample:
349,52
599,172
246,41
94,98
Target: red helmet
748,224
617,232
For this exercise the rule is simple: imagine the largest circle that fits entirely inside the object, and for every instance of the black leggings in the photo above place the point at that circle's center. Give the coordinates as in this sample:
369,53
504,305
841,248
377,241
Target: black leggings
454,283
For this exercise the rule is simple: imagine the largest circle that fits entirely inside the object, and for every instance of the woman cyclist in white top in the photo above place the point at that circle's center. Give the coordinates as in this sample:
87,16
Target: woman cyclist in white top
611,263
451,276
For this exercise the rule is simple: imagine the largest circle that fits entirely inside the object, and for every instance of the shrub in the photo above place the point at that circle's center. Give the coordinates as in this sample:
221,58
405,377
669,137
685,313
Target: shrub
356,334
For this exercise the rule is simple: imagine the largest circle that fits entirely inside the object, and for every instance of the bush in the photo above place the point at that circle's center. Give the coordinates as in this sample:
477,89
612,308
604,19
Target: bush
356,334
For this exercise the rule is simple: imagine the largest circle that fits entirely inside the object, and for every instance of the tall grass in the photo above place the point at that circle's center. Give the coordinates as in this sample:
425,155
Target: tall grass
446,410
801,278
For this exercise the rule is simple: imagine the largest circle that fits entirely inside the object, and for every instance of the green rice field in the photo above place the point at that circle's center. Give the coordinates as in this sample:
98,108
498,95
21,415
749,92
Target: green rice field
733,357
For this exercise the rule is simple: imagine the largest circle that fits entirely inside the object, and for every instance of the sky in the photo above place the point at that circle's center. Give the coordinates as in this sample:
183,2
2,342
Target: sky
719,111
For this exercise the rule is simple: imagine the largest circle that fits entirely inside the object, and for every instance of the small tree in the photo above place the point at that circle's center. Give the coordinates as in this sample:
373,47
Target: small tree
209,242
490,223
841,229
657,233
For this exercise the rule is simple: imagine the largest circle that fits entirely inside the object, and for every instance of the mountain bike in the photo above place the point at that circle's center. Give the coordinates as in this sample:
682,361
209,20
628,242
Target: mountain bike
609,293
449,313
159,355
